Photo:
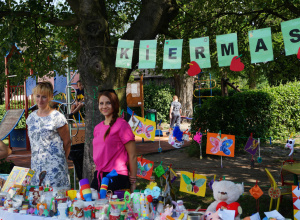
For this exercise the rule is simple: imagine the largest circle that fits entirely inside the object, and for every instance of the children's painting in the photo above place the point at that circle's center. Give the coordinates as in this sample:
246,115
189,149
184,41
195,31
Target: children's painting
133,122
251,146
220,144
144,168
193,183
145,128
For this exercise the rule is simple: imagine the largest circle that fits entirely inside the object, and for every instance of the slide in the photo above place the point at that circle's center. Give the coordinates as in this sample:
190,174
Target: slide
10,121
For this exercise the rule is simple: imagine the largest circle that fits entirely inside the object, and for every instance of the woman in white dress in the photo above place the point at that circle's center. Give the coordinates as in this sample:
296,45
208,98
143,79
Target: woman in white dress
49,139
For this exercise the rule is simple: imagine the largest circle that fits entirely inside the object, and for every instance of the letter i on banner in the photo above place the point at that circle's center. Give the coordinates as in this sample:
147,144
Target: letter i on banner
260,42
199,51
291,36
147,54
172,54
124,54
227,48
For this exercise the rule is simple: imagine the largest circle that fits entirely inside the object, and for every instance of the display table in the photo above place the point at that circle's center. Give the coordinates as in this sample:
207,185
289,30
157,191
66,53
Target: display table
5,215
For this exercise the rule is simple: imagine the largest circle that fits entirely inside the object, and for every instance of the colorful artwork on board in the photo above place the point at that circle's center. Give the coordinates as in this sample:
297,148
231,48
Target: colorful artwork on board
193,183
145,128
144,168
251,146
220,144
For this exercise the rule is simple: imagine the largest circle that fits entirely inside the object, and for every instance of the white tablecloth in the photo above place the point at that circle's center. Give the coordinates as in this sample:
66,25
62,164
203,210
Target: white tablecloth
5,215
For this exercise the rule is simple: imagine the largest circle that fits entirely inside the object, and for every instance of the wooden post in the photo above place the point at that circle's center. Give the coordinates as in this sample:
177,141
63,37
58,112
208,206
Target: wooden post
142,94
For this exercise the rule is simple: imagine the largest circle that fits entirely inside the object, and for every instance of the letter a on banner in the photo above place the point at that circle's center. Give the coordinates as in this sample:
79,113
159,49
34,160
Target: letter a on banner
199,51
124,54
260,42
147,54
172,54
291,36
227,48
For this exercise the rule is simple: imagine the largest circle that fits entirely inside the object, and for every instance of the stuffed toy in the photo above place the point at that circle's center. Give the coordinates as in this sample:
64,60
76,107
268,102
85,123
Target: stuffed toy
290,145
226,193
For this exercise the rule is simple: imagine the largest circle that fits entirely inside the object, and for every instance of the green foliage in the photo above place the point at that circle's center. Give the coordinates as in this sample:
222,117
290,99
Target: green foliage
271,112
158,97
5,166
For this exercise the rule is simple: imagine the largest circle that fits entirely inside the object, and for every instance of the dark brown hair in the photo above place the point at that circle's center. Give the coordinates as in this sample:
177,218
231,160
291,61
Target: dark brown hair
112,96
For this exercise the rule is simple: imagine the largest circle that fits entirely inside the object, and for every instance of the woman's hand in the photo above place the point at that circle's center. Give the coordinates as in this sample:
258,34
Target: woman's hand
132,187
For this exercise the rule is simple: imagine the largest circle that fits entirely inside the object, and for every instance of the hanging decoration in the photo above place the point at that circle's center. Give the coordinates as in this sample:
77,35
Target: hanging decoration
145,128
220,144
144,168
194,69
193,183
236,64
256,192
290,145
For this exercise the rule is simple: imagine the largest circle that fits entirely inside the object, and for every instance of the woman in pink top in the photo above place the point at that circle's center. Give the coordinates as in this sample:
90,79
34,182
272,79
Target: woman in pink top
113,146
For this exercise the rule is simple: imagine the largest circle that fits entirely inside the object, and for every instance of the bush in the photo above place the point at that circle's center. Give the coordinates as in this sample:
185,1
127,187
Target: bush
271,112
158,97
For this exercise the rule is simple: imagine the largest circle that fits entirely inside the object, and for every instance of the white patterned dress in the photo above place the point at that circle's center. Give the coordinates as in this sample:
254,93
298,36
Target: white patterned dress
47,151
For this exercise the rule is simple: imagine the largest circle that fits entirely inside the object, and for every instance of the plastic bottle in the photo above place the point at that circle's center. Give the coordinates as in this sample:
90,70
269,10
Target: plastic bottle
136,202
144,206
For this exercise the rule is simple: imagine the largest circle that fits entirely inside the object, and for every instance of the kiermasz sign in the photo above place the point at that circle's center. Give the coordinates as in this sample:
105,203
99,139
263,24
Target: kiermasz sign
260,44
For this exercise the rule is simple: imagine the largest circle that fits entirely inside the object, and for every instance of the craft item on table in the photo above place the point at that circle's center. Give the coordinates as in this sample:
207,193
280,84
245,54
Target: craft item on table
167,212
228,193
145,128
42,176
256,192
78,210
179,207
211,216
159,170
85,190
144,168
19,176
160,206
193,183
273,215
173,141
136,202
194,69
72,194
133,122
144,205
186,135
105,182
236,64
95,194
220,144
154,192
290,145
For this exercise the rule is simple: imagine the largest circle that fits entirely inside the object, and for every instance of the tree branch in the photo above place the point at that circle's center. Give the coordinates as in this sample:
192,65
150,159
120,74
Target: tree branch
74,4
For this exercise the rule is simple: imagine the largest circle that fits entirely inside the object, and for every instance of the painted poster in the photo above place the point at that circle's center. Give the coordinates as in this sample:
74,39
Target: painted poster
251,146
124,54
227,48
133,122
172,54
260,42
291,37
147,54
144,168
223,146
296,196
199,51
193,183
145,128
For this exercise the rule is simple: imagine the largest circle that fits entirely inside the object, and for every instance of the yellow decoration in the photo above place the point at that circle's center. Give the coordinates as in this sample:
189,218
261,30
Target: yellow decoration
145,128
193,183
151,185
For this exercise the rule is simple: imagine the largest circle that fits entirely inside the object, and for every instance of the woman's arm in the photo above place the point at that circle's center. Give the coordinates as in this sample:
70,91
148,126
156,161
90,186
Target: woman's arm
5,151
131,150
65,136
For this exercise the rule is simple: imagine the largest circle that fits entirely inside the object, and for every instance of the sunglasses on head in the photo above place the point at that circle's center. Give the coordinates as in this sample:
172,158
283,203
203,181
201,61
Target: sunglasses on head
107,90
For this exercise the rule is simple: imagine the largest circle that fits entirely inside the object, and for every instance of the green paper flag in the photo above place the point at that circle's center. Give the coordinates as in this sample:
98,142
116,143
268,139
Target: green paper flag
172,54
199,51
227,48
147,54
260,42
124,54
291,36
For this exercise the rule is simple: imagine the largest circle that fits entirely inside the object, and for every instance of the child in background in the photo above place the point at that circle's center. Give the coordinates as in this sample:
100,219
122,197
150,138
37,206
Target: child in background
175,113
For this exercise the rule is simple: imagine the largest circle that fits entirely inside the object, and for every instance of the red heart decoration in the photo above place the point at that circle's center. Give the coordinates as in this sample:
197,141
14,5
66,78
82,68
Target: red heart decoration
298,54
236,64
149,198
194,69
232,206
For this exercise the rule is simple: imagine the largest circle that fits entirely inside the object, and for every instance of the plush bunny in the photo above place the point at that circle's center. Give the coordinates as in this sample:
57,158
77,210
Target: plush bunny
226,193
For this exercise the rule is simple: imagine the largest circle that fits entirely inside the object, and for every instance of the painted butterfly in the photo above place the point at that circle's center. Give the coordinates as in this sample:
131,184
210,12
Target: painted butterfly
143,169
221,144
144,129
193,186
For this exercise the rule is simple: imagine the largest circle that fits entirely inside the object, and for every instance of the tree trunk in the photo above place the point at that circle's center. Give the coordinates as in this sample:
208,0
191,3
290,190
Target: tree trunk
184,89
252,79
96,59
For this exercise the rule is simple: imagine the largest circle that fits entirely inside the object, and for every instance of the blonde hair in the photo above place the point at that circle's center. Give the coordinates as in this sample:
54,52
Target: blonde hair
44,88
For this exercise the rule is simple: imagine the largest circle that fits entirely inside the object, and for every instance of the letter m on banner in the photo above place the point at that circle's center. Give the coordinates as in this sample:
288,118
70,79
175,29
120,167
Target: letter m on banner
227,48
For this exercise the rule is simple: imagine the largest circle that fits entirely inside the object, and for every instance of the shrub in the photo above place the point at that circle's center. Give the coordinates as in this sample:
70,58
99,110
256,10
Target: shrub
271,112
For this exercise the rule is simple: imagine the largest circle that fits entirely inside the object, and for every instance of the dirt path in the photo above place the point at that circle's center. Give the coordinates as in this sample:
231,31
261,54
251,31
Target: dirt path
235,169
